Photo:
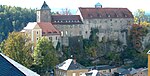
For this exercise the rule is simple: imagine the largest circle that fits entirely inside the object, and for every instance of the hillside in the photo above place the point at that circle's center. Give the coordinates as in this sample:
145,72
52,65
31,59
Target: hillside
14,19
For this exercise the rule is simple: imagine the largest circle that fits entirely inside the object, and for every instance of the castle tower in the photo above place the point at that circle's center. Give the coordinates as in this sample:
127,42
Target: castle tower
44,14
98,5
148,62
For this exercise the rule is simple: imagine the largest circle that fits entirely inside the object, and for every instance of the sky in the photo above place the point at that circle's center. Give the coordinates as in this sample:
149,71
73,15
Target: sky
56,5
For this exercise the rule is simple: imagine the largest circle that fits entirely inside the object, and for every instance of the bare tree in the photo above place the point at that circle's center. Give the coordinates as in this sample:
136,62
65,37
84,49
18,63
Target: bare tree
65,11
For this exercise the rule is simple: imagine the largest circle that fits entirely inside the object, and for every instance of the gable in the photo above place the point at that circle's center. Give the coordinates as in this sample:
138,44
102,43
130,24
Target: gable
37,26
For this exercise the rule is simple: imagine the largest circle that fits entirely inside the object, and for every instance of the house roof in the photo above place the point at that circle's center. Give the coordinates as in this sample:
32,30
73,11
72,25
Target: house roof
92,73
14,65
30,26
48,28
123,71
66,19
102,67
148,52
93,13
70,65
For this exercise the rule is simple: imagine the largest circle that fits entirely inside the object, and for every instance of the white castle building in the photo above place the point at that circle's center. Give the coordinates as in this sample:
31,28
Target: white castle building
112,23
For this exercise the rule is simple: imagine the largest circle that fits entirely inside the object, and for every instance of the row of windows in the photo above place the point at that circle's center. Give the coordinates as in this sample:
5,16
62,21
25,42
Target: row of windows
50,38
67,21
107,15
95,21
69,26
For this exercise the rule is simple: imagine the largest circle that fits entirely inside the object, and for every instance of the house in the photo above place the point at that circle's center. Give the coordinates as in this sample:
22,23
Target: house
142,72
35,30
122,72
70,68
112,23
104,69
92,73
9,67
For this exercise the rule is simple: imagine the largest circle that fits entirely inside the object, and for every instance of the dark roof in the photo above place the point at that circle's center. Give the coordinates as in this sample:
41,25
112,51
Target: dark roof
123,71
48,28
75,66
92,13
102,67
45,6
70,64
9,67
66,19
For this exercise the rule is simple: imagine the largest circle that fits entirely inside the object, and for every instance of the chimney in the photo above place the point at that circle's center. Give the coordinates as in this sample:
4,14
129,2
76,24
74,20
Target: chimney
74,61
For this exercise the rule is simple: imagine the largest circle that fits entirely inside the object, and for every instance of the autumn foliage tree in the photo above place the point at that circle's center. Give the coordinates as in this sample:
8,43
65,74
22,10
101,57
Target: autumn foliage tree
18,47
45,57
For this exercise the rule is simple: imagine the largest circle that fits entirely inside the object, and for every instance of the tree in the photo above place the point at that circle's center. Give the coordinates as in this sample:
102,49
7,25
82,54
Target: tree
66,11
14,19
45,56
139,16
18,47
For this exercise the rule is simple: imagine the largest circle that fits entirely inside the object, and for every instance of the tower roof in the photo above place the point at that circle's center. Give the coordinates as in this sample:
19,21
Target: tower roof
98,4
45,6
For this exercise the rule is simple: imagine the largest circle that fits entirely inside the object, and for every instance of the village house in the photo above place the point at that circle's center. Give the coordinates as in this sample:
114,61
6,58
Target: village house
112,23
70,68
35,30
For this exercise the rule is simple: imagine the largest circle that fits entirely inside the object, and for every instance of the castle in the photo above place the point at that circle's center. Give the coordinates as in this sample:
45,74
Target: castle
112,23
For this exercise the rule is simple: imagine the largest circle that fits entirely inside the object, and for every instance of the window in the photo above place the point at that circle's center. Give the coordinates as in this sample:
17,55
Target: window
106,21
37,32
111,24
104,71
49,32
43,32
89,21
50,38
110,19
109,70
56,37
100,21
80,32
86,32
120,21
37,38
73,74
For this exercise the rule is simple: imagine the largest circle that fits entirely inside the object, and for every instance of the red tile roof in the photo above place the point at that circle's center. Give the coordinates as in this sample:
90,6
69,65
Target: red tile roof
48,28
91,13
66,19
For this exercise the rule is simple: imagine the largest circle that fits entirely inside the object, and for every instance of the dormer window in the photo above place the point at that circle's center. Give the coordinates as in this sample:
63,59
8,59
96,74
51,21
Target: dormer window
117,16
98,15
90,15
108,15
54,32
43,32
49,32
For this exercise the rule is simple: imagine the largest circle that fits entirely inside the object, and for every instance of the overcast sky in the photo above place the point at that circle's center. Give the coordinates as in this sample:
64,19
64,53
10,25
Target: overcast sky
132,5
